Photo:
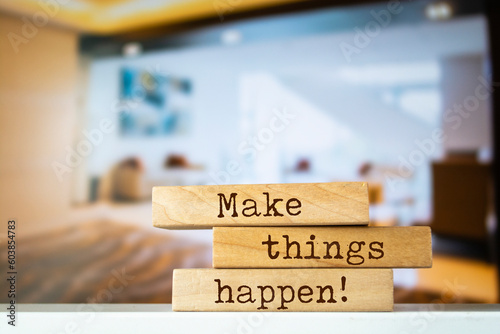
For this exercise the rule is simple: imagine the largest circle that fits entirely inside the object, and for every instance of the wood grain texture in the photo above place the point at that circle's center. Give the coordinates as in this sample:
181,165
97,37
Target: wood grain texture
282,290
322,247
198,207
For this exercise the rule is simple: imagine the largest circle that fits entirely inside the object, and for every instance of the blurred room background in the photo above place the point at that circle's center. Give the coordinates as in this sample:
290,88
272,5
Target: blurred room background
102,100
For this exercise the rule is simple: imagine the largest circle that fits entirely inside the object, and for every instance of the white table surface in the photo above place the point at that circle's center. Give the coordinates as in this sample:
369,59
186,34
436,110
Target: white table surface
159,318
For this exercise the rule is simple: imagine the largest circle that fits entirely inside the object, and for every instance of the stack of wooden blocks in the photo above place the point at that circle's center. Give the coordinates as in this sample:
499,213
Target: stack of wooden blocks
288,247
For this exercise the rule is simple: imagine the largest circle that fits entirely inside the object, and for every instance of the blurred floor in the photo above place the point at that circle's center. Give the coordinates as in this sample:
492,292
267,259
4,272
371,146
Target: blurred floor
457,279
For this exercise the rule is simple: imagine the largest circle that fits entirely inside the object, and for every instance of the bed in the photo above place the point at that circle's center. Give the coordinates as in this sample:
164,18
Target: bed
101,262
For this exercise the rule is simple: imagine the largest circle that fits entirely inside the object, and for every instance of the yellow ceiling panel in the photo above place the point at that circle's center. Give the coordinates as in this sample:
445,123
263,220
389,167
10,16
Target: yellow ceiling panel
104,2
115,16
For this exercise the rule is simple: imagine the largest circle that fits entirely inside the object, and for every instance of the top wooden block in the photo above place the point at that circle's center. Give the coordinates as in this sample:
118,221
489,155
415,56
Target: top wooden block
201,207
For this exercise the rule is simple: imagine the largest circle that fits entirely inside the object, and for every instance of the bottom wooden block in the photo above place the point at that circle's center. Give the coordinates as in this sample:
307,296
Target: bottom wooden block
282,290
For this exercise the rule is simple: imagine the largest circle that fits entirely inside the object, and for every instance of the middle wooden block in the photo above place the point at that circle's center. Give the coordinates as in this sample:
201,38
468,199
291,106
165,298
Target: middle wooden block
315,247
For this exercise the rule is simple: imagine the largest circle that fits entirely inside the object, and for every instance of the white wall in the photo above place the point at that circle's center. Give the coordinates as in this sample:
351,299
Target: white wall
468,127
214,115
308,68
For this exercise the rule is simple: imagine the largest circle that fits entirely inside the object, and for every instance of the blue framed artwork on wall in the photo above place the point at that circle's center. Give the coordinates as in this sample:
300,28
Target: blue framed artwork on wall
153,104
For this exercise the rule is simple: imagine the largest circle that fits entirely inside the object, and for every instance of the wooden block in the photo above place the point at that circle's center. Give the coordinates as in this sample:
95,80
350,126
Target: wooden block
313,247
282,290
197,207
